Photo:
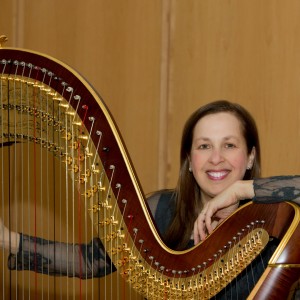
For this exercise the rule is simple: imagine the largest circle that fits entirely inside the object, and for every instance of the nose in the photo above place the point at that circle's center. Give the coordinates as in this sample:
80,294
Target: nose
216,156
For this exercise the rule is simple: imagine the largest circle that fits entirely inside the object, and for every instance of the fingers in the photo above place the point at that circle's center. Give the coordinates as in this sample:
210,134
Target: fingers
196,235
203,224
208,221
200,230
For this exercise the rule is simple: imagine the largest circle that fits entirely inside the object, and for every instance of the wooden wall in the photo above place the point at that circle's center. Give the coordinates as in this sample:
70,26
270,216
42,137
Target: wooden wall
154,62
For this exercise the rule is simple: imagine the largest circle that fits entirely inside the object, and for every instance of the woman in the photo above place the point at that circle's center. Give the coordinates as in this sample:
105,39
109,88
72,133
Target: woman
219,147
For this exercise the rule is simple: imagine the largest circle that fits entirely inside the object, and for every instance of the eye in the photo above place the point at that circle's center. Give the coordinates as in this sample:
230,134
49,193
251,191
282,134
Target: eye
230,146
204,146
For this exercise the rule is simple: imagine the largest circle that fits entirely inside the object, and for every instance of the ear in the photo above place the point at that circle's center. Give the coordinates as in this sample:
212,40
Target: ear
190,165
251,159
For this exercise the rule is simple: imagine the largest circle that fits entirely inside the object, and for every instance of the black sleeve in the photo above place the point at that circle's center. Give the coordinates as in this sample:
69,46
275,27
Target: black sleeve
61,259
277,189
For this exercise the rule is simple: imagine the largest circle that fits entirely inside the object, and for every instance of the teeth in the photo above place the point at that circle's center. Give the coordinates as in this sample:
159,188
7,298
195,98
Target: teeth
217,174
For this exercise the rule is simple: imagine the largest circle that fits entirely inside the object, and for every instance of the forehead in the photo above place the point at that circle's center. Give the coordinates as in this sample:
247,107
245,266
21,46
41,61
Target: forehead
221,123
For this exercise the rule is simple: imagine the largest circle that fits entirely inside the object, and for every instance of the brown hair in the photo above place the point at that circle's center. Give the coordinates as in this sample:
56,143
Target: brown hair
187,191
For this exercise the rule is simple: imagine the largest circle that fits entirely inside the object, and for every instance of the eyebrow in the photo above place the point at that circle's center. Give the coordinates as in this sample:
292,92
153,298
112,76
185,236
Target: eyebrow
225,138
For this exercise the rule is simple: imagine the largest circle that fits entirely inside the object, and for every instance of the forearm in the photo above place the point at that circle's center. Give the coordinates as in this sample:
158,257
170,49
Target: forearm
61,259
277,189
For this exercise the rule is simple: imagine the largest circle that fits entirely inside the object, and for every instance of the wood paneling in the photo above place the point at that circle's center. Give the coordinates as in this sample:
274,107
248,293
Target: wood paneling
246,52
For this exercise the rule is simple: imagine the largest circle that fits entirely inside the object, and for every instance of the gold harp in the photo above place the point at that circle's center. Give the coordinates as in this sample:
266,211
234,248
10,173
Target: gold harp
66,175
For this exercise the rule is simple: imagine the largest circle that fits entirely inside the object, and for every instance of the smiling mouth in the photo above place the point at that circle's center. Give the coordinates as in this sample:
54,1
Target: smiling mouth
217,175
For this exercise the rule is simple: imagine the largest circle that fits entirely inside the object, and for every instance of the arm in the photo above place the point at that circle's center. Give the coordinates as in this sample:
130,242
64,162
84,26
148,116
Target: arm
55,258
262,190
61,259
277,189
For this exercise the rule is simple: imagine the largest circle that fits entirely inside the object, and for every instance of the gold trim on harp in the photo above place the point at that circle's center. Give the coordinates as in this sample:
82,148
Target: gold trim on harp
287,236
284,265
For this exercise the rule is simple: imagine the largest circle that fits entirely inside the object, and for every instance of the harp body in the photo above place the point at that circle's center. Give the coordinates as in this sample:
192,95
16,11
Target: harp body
52,120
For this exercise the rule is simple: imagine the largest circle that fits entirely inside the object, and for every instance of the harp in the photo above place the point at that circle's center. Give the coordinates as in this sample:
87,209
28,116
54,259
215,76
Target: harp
66,175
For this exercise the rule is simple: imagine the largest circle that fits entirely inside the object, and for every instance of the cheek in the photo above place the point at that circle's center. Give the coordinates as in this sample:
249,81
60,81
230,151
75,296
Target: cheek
197,160
240,161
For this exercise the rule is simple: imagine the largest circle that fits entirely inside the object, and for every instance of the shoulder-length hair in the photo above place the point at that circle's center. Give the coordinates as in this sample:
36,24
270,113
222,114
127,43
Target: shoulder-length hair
187,191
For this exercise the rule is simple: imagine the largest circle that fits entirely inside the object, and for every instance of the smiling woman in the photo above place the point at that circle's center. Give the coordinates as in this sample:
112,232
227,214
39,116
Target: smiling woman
206,151
219,154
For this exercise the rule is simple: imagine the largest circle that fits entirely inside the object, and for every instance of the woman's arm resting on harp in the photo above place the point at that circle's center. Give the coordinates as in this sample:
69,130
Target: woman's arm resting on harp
262,190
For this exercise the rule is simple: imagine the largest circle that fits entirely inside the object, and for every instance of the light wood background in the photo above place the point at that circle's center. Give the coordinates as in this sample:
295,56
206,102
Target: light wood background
155,61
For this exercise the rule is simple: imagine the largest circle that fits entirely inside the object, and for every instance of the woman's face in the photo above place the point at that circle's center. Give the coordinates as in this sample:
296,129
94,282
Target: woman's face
219,153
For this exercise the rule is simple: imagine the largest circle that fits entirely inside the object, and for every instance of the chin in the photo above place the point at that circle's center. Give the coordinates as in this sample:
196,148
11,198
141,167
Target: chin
216,192
216,189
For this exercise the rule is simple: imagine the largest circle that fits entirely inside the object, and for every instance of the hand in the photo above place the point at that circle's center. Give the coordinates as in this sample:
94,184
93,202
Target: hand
210,217
9,239
221,207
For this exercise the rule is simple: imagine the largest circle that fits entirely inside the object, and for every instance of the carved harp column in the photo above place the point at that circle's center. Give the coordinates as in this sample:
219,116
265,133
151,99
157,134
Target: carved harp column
66,176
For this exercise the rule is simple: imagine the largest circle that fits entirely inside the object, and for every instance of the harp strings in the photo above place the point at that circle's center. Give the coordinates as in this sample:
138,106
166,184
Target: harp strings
61,172
26,127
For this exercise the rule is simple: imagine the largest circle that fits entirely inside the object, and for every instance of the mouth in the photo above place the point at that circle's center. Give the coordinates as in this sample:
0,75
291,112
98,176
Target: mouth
217,175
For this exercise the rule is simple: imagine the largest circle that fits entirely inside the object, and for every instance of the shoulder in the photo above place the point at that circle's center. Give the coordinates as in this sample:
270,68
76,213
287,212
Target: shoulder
162,205
159,199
